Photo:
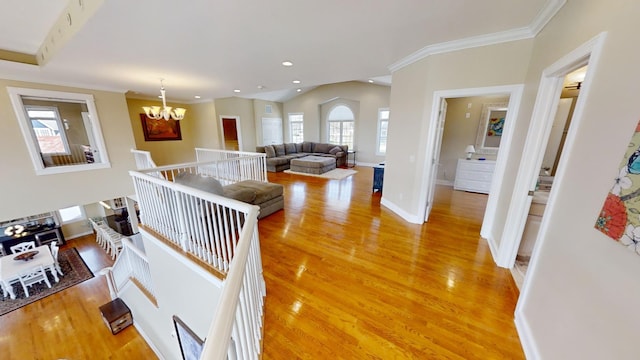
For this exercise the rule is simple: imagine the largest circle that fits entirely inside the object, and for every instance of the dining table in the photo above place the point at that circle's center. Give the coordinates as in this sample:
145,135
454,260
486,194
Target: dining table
11,266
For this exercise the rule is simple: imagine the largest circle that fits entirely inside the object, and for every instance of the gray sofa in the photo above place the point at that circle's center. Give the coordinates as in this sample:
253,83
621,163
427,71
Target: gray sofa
279,156
268,196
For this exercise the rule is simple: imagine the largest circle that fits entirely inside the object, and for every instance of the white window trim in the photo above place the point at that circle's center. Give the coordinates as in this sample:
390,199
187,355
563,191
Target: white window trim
82,217
15,94
63,134
378,153
341,121
291,122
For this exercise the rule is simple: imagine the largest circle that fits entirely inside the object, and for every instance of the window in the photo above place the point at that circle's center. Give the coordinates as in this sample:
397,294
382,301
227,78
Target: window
72,214
383,127
296,128
61,130
341,126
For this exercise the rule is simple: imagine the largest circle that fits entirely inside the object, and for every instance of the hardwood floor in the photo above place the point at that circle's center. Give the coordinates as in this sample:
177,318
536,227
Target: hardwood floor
346,278
68,324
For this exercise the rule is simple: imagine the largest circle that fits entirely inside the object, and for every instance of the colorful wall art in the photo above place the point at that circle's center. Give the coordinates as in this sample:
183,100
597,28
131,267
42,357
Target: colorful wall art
620,215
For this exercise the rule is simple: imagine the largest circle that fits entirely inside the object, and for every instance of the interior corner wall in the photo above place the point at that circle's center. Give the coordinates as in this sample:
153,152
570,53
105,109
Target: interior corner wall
460,131
578,296
30,194
243,109
371,98
412,94
170,151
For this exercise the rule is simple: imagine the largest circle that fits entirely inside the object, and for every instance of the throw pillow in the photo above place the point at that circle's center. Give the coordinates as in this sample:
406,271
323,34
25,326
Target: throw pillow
279,150
306,147
270,151
290,148
204,183
321,148
335,150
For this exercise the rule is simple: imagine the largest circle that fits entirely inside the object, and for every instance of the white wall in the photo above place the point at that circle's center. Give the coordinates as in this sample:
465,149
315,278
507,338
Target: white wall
192,296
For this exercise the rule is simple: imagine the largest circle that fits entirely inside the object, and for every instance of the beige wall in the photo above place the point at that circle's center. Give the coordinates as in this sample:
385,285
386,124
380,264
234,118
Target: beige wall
370,97
27,194
411,101
165,152
576,305
242,108
460,131
206,128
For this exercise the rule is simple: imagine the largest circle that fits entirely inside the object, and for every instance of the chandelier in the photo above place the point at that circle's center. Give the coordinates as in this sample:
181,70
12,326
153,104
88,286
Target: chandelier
166,112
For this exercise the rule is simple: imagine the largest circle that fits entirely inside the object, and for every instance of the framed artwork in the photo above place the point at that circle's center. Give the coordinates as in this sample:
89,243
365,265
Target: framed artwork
190,344
160,130
619,217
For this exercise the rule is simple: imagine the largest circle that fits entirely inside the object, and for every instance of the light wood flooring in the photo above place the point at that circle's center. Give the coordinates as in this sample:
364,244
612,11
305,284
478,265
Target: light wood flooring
346,279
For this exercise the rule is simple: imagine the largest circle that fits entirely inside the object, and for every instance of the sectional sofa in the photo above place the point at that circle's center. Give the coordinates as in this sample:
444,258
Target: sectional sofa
279,156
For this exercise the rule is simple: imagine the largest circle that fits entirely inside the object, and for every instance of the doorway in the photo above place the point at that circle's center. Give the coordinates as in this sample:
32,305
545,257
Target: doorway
514,93
544,111
231,139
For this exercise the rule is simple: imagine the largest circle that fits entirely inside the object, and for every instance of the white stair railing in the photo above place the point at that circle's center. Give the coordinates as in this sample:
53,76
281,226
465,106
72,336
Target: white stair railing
248,165
130,265
143,159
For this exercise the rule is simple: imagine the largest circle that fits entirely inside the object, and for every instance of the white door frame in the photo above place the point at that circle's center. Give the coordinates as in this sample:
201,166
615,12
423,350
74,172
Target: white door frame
515,96
435,163
238,127
544,112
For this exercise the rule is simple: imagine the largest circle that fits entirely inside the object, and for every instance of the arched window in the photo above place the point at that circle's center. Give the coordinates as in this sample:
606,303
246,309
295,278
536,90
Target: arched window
341,126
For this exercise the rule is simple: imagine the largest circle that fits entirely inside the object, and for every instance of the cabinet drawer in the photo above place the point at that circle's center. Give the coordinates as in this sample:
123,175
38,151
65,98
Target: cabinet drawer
471,165
473,186
474,175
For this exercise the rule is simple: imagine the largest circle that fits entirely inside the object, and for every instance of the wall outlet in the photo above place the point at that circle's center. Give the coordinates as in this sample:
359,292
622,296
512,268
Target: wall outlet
469,106
467,115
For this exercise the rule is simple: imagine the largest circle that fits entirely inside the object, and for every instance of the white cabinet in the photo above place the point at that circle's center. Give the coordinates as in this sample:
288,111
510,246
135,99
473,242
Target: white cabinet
474,175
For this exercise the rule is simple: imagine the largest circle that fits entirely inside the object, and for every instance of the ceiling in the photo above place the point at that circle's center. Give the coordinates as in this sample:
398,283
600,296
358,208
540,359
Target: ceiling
211,47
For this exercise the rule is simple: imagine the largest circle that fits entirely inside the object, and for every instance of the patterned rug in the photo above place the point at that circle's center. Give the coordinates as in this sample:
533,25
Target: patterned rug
335,174
74,272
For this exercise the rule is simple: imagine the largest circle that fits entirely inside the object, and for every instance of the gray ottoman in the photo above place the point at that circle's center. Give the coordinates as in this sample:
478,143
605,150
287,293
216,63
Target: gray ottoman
313,164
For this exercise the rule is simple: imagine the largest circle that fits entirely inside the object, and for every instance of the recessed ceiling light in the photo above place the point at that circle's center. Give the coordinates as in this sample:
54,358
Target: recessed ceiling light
371,81
298,89
236,90
260,87
296,81
287,63
197,96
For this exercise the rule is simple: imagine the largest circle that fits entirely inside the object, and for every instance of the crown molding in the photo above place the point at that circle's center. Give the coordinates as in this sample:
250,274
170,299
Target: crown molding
544,16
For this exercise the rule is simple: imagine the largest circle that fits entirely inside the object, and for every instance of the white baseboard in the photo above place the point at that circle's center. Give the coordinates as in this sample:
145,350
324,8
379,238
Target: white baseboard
148,340
444,182
526,337
366,164
399,211
79,235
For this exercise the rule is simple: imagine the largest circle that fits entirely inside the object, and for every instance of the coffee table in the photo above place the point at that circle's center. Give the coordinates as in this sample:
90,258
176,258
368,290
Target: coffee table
313,164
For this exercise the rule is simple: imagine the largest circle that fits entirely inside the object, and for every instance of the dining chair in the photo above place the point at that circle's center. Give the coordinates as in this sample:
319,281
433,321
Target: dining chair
33,276
22,247
54,253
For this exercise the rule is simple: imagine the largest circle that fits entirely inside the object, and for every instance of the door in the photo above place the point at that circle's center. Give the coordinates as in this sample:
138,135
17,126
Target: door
230,133
442,114
272,131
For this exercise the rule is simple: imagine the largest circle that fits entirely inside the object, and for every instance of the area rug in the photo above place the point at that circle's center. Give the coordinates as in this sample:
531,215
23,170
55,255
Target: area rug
335,174
74,272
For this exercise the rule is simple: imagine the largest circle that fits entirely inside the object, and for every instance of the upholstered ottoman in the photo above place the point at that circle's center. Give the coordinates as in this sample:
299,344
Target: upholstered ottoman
313,164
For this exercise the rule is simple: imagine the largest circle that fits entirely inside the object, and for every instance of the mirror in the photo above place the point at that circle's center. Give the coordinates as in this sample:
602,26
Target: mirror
490,128
61,130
